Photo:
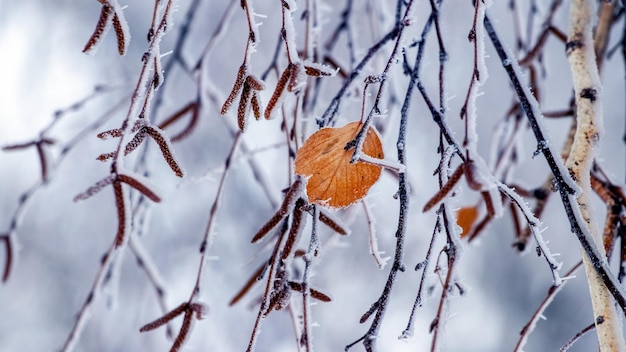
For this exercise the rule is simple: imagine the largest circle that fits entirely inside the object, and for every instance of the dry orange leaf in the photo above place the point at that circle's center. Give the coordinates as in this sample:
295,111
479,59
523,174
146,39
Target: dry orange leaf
465,218
333,180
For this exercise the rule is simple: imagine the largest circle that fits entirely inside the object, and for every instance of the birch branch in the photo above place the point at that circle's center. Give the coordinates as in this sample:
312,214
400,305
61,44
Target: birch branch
587,91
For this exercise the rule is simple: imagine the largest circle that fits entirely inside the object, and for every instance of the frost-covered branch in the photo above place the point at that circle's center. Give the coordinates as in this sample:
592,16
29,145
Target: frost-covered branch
565,185
534,225
328,117
452,251
379,307
538,314
373,239
588,93
83,314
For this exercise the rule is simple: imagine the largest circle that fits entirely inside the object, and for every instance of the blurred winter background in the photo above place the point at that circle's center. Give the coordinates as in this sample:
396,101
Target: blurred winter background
60,242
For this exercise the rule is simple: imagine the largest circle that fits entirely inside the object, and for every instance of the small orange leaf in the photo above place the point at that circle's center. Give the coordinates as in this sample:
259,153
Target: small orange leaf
466,217
334,181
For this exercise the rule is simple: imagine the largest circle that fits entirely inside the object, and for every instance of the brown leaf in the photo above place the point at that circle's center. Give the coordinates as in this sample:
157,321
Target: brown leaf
465,218
334,181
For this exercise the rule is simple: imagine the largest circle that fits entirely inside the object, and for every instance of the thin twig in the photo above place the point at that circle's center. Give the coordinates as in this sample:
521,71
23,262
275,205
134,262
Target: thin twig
307,338
83,314
545,303
145,262
328,117
371,224
424,266
265,303
381,304
580,334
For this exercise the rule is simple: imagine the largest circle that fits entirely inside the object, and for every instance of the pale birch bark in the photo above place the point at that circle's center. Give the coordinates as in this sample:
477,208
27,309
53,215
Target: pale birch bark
587,88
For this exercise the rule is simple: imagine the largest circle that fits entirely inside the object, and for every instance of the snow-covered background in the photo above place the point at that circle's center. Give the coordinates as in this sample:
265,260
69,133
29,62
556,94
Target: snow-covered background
60,243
